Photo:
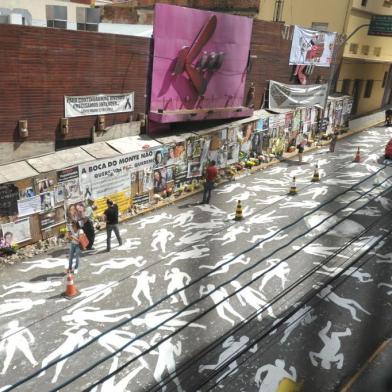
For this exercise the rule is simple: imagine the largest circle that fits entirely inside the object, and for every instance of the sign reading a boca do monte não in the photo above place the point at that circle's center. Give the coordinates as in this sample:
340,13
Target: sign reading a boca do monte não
93,105
381,25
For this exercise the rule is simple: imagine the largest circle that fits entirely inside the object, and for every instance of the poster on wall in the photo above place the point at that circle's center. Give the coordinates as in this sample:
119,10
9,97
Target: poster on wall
16,232
233,151
195,169
26,193
72,191
47,201
159,180
76,212
93,105
291,96
9,195
48,220
67,174
312,47
161,156
59,194
29,206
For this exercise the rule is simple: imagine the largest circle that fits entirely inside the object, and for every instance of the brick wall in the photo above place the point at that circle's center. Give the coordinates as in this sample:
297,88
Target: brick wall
39,66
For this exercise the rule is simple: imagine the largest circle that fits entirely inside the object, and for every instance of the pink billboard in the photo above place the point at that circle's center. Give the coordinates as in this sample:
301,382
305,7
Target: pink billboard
199,66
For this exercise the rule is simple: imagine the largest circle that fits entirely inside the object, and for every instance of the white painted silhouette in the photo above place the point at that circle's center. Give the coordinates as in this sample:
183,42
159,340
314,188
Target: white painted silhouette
178,280
116,339
182,219
210,209
306,204
352,174
44,264
196,252
100,241
365,211
316,249
130,244
14,339
356,273
218,296
275,374
253,298
143,280
382,284
241,196
89,313
386,258
230,188
303,316
191,238
280,270
167,351
119,263
346,303
160,237
268,237
153,319
385,203
152,220
10,307
276,170
265,188
298,172
270,181
316,192
341,182
270,200
72,342
241,259
231,234
31,287
329,354
120,386
262,219
231,348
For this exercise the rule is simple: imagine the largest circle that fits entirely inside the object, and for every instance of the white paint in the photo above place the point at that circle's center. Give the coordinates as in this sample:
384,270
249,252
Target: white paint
196,252
270,200
275,374
31,287
130,244
346,303
89,313
143,280
210,209
182,219
280,270
253,298
231,234
218,296
119,263
243,196
44,264
209,225
153,319
316,249
191,238
151,220
160,237
178,280
10,307
262,219
230,188
306,204
246,211
329,354
14,339
316,191
241,259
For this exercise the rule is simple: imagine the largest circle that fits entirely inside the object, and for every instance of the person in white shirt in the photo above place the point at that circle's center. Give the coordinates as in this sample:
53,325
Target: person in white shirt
74,250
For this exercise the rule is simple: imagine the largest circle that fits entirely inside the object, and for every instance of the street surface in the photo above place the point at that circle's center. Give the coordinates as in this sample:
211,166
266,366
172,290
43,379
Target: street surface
299,289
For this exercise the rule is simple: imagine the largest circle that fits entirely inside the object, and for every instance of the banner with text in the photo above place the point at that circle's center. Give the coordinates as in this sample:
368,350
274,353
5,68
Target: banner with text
312,47
290,96
102,178
93,105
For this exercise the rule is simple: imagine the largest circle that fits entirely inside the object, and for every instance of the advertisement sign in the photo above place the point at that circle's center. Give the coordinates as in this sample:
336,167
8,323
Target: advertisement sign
16,232
93,105
381,25
290,96
312,47
9,195
29,206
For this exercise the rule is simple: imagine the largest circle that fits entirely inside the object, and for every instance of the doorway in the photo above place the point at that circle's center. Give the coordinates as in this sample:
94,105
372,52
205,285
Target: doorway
357,88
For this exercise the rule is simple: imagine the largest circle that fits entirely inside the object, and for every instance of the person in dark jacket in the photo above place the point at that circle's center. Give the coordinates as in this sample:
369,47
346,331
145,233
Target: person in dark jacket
111,218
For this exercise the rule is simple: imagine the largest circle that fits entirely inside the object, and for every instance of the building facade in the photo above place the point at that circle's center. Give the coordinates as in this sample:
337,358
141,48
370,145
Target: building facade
365,71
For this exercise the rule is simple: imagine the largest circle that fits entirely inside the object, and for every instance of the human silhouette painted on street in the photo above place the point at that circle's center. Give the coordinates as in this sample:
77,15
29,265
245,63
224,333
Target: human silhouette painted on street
274,375
143,280
178,280
31,287
161,237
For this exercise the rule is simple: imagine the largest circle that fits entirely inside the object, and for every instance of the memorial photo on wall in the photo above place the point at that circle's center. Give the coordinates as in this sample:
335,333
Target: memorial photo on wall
47,201
195,169
16,232
44,185
72,191
26,193
76,212
159,180
161,156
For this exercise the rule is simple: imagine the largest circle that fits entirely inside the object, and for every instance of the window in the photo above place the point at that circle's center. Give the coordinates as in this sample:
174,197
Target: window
88,18
384,79
377,51
321,26
368,89
346,86
365,49
363,3
56,16
353,48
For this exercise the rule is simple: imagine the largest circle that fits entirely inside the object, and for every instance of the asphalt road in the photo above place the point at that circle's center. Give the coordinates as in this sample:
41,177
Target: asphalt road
297,289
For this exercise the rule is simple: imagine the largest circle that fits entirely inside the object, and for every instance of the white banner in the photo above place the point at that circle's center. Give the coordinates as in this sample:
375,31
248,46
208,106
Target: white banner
312,47
105,177
290,96
16,232
93,105
29,206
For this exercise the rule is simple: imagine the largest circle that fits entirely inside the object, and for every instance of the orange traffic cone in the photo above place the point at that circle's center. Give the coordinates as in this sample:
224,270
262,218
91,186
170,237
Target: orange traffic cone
357,156
293,188
70,290
238,211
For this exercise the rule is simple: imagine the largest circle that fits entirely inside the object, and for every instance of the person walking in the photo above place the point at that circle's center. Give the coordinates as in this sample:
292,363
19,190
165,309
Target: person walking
332,145
301,149
111,218
211,174
74,251
88,224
